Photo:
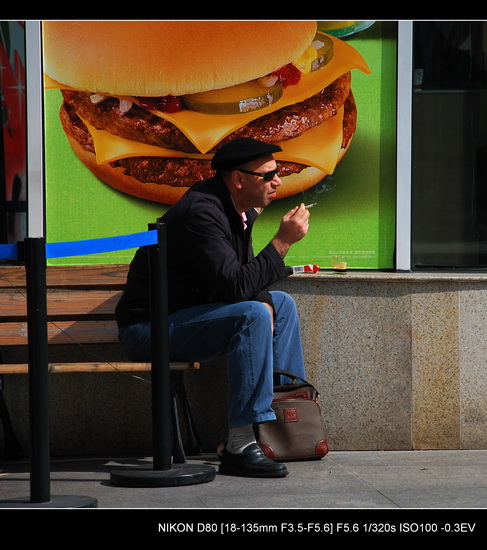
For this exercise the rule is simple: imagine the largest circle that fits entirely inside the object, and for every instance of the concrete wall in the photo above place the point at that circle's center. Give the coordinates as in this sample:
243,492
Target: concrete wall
400,361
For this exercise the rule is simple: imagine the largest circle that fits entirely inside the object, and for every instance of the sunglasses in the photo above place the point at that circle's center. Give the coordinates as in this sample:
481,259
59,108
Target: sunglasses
266,176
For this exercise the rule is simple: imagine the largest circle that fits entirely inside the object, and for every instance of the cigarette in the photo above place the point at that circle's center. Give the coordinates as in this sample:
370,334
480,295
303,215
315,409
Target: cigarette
311,205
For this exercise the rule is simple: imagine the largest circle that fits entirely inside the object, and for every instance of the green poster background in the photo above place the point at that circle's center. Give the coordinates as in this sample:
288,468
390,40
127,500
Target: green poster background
355,215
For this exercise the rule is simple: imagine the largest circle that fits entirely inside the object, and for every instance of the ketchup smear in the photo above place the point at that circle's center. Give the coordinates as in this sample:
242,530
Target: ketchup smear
167,104
289,75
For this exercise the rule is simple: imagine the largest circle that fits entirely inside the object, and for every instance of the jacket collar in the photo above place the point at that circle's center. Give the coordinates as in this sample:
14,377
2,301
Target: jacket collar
229,206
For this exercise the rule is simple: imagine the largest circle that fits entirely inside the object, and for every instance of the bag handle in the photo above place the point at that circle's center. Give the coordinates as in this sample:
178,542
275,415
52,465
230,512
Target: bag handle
291,375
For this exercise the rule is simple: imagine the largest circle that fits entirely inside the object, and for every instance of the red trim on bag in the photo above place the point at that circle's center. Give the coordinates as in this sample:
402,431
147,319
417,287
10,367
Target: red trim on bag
322,448
269,453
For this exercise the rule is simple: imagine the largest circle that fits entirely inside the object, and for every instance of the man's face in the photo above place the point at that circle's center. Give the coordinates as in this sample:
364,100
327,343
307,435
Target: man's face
259,191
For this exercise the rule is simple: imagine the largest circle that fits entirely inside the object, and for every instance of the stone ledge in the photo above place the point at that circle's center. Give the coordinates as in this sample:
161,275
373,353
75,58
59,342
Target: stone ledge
394,276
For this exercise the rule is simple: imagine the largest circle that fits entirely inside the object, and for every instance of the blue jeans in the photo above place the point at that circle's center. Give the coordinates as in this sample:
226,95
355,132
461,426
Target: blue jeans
242,332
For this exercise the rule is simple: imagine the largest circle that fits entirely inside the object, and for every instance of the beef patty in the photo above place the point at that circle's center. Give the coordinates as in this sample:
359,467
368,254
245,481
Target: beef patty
132,122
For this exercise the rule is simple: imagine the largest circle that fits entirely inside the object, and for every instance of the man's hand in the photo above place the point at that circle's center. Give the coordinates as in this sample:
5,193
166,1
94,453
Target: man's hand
294,226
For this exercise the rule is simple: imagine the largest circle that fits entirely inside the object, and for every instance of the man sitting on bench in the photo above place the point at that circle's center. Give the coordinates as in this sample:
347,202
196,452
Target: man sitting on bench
218,299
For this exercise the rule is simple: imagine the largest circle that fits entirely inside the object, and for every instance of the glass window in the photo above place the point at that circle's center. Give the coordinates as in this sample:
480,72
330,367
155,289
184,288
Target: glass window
449,145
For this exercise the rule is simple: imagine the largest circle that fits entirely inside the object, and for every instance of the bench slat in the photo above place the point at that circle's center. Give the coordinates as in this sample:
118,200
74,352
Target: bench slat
76,276
23,368
63,332
73,302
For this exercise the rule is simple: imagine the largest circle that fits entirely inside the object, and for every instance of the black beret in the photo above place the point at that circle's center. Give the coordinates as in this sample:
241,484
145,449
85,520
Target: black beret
240,151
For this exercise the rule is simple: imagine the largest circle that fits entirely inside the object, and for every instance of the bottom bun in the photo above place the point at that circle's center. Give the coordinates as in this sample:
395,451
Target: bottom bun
168,194
114,177
307,178
297,183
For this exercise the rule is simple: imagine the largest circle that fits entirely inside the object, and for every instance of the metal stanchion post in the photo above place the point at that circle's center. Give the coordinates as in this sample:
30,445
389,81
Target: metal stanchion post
163,473
35,272
161,381
35,266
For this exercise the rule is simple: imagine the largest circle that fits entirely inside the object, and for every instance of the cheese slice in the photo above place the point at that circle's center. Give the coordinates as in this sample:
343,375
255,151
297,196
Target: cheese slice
110,147
205,131
318,147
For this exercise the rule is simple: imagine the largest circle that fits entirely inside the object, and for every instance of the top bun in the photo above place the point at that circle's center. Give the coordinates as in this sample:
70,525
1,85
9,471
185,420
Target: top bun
158,58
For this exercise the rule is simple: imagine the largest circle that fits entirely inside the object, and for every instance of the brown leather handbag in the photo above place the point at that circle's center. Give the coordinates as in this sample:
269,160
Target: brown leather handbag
298,432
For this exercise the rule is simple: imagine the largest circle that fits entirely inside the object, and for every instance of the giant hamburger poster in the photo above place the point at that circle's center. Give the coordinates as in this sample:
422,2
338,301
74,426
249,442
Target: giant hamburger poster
135,111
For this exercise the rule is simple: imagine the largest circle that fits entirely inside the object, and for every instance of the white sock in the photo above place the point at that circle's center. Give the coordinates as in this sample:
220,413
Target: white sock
239,438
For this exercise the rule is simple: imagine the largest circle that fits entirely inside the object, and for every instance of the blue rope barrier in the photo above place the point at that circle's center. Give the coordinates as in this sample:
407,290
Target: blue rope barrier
89,246
8,251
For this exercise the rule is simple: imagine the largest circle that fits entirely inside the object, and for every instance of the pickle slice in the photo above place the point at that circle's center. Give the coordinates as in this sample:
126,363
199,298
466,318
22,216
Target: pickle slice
242,98
325,52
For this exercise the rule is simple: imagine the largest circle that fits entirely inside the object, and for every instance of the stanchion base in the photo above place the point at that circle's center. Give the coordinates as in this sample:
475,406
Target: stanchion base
58,501
179,474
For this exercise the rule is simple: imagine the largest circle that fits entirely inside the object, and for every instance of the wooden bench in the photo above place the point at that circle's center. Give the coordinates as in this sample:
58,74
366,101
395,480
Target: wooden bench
81,304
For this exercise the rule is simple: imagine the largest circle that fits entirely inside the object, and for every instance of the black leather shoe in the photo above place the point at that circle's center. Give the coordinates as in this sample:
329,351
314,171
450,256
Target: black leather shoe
251,462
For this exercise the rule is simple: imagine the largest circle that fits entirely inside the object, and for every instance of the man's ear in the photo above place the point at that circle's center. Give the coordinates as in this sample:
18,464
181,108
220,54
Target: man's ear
237,179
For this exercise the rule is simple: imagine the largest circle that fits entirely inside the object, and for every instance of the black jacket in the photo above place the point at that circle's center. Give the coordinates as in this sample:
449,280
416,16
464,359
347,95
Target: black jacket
209,257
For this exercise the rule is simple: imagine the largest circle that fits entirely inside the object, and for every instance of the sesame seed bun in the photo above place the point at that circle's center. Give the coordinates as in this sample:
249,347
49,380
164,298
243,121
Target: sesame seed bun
158,58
